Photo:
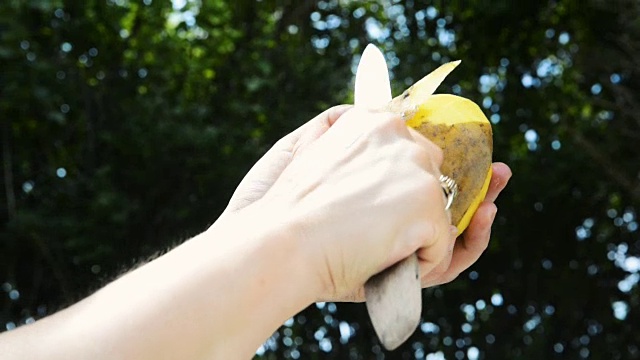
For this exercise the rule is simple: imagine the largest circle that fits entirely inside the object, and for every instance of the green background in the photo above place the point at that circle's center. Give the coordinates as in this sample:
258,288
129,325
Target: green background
126,126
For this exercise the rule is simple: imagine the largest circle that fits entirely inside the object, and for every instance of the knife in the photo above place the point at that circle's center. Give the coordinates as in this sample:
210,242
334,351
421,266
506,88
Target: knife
393,296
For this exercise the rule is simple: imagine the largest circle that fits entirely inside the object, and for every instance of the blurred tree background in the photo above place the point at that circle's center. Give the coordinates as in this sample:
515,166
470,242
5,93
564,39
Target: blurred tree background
125,126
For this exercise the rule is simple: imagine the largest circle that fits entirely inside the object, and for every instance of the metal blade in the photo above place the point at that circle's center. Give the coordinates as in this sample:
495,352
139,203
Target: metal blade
394,296
394,302
372,88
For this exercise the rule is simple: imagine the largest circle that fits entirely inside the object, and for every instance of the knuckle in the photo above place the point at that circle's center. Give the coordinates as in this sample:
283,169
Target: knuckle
437,155
394,120
426,192
435,152
392,124
432,188
420,155
441,240
283,143
422,234
430,232
428,179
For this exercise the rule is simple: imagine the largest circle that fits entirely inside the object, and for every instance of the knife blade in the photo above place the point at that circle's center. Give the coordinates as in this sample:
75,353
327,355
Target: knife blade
393,296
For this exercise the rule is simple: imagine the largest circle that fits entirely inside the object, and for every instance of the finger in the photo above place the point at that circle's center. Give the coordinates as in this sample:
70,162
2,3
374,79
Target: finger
356,296
433,154
266,171
428,279
358,124
433,254
331,115
323,120
309,131
316,127
476,238
259,179
433,149
499,179
472,243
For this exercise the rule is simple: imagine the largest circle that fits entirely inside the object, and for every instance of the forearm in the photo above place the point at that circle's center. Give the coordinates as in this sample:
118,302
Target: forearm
219,295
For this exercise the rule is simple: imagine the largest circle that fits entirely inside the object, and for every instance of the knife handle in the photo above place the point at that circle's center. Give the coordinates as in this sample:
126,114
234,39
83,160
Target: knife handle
394,302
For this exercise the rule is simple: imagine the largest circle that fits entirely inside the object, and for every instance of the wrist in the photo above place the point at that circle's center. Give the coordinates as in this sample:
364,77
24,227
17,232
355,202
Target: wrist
280,262
275,236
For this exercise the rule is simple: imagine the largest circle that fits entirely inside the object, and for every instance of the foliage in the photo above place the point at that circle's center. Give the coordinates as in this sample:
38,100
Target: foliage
127,124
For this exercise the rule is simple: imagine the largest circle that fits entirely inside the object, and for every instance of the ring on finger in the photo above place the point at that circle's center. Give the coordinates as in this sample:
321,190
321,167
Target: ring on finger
450,190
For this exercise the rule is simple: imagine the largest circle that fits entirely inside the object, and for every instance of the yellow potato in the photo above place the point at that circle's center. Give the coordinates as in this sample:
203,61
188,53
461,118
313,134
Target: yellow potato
460,128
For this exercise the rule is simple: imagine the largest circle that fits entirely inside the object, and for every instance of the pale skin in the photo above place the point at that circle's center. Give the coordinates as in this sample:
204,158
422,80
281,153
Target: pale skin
293,234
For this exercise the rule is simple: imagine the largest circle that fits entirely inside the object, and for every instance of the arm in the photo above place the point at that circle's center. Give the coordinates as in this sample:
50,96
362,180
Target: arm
293,234
217,296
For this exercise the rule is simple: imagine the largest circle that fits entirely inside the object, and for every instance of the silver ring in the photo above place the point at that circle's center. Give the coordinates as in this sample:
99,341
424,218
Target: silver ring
450,189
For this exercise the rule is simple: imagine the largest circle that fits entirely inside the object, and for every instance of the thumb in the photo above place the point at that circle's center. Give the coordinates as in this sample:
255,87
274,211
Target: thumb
266,171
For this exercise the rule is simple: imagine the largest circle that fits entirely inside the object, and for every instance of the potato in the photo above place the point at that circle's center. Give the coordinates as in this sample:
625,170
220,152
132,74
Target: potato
460,128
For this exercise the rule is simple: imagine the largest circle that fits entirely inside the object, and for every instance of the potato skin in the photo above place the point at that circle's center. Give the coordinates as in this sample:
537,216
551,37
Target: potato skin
460,128
467,149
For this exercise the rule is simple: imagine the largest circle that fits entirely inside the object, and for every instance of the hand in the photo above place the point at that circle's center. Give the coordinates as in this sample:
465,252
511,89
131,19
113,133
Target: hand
366,182
266,171
472,243
468,247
